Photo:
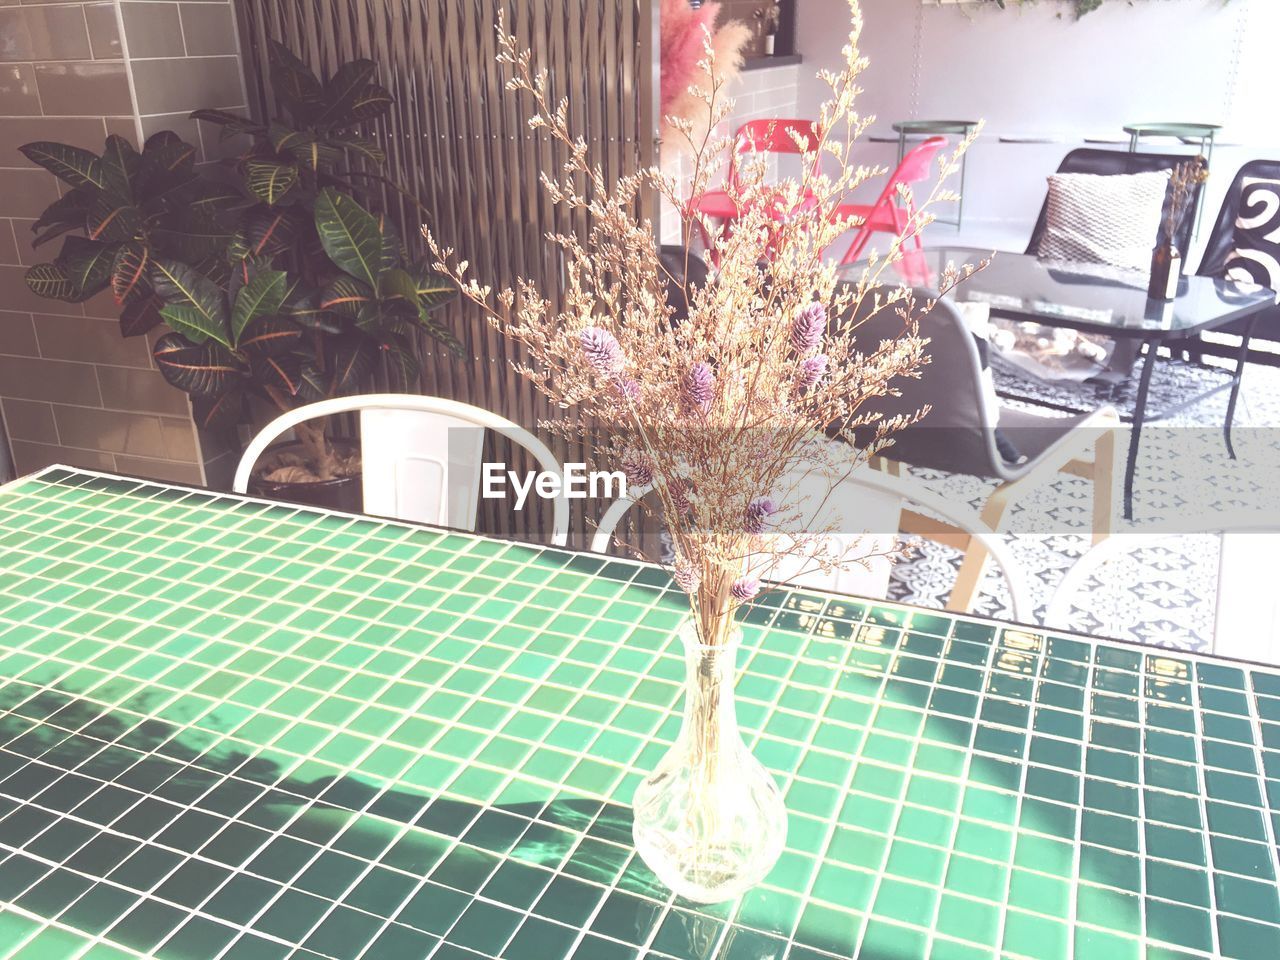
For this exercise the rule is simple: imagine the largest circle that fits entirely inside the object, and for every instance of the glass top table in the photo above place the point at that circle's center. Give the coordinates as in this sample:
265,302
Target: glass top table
234,729
1096,299
1089,297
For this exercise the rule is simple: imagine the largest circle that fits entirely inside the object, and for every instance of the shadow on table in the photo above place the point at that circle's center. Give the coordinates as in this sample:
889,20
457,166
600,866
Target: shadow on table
120,829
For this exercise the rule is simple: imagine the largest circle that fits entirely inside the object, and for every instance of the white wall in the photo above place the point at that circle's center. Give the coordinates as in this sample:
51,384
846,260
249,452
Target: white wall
1036,70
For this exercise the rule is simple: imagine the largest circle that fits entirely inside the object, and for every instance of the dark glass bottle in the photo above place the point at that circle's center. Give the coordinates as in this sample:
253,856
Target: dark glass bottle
1166,271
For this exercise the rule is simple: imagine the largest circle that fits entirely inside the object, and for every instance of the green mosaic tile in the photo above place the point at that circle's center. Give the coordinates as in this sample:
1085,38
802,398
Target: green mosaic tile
250,730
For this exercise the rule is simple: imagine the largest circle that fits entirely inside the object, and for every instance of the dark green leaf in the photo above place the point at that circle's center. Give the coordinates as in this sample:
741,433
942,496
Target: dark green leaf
434,289
269,232
230,122
349,235
168,160
312,385
343,90
193,239
373,101
351,360
402,366
50,280
191,323
281,372
221,412
121,169
368,149
205,370
345,295
441,333
293,82
396,284
269,181
180,284
87,264
371,318
72,165
112,221
260,297
306,312
269,338
129,272
209,198
69,209
140,316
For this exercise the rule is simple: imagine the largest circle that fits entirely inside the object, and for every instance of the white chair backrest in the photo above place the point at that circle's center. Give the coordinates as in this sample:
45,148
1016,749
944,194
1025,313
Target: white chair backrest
421,456
901,488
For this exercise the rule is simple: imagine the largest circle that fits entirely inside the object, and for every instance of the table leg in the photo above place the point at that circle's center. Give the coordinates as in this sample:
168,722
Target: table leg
1139,414
1241,355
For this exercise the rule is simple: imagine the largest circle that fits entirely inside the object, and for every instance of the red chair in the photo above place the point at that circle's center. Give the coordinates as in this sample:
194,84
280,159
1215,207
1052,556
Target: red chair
885,216
756,137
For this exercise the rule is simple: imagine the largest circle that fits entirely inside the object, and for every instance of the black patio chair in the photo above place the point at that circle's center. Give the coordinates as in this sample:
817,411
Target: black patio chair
1221,243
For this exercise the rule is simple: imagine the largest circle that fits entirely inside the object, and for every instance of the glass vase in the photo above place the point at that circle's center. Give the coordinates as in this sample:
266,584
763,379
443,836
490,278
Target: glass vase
1166,271
709,820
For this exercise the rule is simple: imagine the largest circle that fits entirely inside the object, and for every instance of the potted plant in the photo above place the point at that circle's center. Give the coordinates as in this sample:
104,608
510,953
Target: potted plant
276,282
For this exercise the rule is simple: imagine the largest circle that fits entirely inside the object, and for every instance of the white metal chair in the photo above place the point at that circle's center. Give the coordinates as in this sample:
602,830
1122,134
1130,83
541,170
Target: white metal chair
904,488
421,456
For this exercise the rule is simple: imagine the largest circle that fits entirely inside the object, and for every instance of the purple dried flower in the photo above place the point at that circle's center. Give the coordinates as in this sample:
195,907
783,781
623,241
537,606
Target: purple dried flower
686,576
808,328
758,513
812,371
698,387
744,589
602,350
637,470
627,388
679,491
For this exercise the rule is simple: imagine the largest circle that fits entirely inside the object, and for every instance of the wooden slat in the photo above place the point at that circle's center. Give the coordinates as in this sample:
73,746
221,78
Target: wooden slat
458,140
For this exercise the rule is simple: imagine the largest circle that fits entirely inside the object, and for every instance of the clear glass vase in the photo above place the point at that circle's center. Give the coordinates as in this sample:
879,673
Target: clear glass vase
709,820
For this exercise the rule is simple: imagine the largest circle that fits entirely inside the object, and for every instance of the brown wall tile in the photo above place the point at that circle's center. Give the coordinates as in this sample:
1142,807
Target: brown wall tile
125,127
16,295
43,33
143,391
104,31
8,243
51,380
152,29
25,193
86,132
27,254
170,86
220,471
29,457
18,96
30,420
136,434
208,29
89,340
18,335
81,88
188,473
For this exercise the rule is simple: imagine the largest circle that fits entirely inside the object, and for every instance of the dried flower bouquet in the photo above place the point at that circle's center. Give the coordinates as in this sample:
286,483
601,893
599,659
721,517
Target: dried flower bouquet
722,412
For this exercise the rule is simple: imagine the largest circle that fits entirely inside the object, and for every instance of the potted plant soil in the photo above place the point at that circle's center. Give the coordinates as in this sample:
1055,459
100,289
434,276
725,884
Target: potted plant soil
280,288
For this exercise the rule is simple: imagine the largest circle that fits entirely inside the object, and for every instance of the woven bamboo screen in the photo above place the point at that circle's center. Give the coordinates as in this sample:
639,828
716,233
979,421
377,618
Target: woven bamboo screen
458,141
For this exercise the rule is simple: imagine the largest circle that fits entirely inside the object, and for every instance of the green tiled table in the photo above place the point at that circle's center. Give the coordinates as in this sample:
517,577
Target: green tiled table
240,730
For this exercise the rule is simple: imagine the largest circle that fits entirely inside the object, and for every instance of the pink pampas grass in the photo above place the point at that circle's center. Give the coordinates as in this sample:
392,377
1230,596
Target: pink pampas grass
684,31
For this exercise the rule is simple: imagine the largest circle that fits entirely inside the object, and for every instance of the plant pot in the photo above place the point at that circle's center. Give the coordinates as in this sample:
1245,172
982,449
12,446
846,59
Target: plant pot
340,493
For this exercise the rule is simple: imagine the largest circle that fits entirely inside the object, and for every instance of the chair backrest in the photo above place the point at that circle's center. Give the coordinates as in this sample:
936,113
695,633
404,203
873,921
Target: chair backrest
1111,163
421,456
916,165
1222,239
957,435
778,136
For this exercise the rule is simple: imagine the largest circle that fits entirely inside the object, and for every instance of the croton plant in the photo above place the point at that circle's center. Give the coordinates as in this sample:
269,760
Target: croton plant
273,278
